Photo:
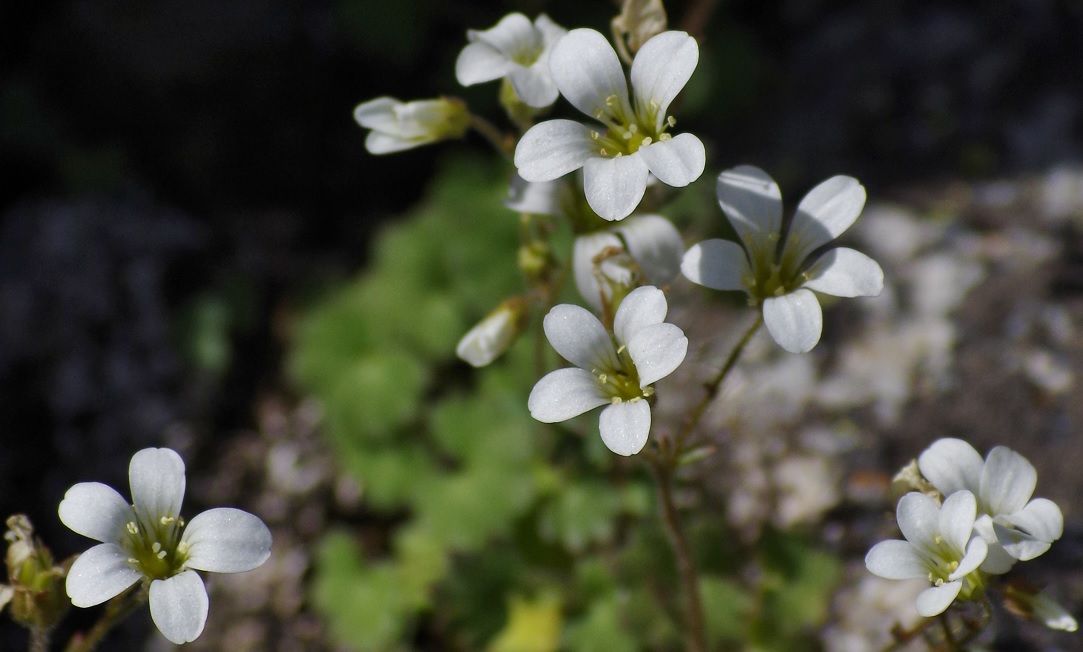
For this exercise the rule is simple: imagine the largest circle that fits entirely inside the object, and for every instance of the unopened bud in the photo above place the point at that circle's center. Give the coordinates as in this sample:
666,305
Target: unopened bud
1026,600
494,335
36,593
397,126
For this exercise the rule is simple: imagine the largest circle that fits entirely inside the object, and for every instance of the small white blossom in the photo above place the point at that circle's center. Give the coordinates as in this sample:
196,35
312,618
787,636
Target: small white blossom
614,369
148,541
494,335
632,140
517,49
780,274
397,126
1014,526
938,548
1030,603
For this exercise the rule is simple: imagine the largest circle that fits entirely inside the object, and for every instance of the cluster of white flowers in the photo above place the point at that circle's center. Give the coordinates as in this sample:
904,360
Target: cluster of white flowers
987,523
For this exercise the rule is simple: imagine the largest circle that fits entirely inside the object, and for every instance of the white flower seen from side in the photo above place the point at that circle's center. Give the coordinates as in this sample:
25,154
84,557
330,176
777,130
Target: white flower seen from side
149,542
493,335
397,126
779,271
938,548
631,138
1015,526
516,49
613,369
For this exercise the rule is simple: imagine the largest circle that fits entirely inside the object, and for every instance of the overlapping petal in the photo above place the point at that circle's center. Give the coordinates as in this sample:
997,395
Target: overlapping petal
227,540
935,599
655,244
1028,533
587,71
1007,481
657,351
660,70
553,148
752,202
717,264
896,560
480,62
157,481
95,510
918,518
676,162
579,337
100,574
956,519
563,394
534,85
824,214
613,186
643,307
794,320
951,465
624,426
844,272
179,606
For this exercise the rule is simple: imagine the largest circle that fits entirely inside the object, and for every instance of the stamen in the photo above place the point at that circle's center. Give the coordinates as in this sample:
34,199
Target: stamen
671,121
594,135
621,348
627,135
654,105
604,152
166,520
611,100
774,236
633,128
157,547
662,137
603,378
132,529
646,141
133,560
161,555
617,400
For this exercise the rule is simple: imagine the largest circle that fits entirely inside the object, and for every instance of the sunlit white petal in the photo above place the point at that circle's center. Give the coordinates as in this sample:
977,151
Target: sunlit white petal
952,464
614,186
100,574
752,203
717,264
227,540
178,606
934,600
587,71
624,426
676,162
551,149
643,307
95,510
657,351
1007,481
896,560
824,213
660,70
563,394
794,320
157,482
579,337
844,272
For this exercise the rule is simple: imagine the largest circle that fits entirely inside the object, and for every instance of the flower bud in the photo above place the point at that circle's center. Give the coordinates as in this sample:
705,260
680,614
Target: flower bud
36,593
1026,600
493,335
398,126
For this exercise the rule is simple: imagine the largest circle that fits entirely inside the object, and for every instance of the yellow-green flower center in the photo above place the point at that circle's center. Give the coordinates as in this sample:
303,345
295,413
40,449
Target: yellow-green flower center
625,134
621,383
156,549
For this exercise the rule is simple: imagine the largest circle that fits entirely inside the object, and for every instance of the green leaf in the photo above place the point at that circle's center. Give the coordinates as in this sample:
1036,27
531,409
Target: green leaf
376,394
601,629
726,607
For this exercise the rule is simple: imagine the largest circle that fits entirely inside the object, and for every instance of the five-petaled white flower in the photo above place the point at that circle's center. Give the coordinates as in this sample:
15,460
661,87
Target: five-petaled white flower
781,273
1014,526
399,125
517,49
617,369
938,548
148,541
632,141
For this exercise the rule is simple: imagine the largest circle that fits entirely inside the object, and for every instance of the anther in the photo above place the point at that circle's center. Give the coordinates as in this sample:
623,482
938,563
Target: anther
627,135
161,555
166,520
616,400
671,121
157,547
646,141
132,529
594,135
621,348
662,137
611,100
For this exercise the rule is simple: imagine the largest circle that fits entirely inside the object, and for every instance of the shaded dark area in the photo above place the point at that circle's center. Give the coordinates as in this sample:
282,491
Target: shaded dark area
172,163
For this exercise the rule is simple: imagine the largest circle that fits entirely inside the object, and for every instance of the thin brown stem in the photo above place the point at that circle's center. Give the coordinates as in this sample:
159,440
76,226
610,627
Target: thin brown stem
499,140
39,639
714,384
686,563
116,610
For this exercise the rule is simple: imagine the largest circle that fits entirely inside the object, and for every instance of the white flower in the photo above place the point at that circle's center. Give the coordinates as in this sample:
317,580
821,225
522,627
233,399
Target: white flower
617,369
632,141
494,335
653,244
516,49
148,541
938,547
399,125
781,277
1014,526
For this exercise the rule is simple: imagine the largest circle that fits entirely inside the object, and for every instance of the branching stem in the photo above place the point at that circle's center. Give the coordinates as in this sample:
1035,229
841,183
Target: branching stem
115,611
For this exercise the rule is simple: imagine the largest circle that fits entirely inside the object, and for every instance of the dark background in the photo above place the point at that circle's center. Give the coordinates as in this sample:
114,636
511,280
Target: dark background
169,162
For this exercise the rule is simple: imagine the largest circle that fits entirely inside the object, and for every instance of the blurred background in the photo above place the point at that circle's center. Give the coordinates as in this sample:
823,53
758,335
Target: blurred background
183,182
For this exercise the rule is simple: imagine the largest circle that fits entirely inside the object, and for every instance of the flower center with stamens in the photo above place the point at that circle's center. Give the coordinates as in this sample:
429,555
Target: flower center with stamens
625,134
622,382
156,549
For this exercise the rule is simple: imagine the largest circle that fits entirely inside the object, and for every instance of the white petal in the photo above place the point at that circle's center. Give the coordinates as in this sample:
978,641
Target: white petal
95,510
587,71
643,307
896,560
676,162
378,114
844,272
952,464
100,574
976,552
660,70
378,142
227,540
997,560
794,320
624,426
178,606
579,337
717,264
918,516
587,246
657,351
541,198
550,31
933,601
1007,481
1046,610
480,62
513,35
1028,533
563,394
553,148
655,244
825,212
614,186
534,85
956,519
752,202
156,476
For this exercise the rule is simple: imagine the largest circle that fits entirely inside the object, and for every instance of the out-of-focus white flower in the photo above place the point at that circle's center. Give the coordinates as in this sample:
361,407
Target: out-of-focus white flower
397,126
148,541
652,242
494,335
1014,526
632,142
1031,603
780,274
938,548
615,368
517,49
